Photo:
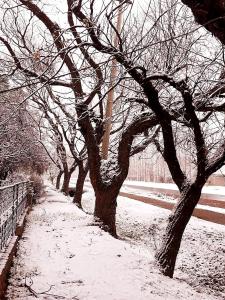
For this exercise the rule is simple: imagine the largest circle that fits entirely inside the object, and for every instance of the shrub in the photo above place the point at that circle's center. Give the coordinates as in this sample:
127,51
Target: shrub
38,185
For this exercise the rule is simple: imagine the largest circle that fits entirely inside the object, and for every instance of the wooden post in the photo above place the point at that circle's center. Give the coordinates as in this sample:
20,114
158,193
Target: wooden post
109,105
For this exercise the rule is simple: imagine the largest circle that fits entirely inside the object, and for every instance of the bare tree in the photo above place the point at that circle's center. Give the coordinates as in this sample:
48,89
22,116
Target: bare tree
173,101
88,101
58,132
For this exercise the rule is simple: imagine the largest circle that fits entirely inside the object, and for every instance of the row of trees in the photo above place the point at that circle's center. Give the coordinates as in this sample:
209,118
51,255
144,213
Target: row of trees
167,94
61,139
20,150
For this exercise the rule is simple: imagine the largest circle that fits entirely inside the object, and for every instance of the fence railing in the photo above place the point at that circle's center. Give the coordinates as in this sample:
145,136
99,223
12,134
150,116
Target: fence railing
13,201
5,183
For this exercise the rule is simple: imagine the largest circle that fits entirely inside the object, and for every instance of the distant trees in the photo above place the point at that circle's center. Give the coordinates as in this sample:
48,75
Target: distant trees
58,122
19,146
50,121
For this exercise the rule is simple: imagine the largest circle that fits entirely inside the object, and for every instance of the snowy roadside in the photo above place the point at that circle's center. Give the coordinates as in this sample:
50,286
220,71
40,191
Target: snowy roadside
201,261
63,256
207,189
166,198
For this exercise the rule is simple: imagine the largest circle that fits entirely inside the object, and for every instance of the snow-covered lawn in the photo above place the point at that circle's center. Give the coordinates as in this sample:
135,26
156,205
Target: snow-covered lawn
201,260
64,256
207,189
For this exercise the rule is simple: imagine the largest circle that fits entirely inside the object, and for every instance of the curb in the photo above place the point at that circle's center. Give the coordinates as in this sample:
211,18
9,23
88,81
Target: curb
6,257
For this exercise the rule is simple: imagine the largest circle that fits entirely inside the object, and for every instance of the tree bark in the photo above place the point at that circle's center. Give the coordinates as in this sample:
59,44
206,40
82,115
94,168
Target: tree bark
105,208
167,254
66,182
3,175
209,14
80,185
58,178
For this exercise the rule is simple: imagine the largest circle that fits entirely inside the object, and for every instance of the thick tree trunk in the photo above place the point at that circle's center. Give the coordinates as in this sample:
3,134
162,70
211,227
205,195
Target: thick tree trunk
3,175
58,178
80,186
66,182
105,209
210,14
178,220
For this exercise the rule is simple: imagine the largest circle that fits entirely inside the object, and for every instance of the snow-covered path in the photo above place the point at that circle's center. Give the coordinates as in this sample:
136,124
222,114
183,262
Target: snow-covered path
64,256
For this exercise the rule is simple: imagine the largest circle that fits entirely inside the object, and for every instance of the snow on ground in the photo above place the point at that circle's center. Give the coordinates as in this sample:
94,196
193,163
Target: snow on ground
170,199
209,189
62,255
201,260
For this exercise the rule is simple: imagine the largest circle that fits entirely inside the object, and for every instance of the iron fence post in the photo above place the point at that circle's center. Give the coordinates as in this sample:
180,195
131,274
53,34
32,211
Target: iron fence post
13,209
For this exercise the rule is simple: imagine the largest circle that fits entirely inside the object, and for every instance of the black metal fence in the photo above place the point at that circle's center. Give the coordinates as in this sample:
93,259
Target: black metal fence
13,201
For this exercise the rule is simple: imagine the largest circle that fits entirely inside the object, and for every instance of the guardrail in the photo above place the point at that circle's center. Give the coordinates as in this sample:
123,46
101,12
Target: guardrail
13,201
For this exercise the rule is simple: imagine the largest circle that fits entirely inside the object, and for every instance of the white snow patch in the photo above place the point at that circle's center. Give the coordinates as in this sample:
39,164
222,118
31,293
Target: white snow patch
201,260
63,251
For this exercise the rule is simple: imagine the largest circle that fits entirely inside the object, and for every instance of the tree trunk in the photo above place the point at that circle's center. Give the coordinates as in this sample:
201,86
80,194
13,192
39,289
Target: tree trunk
105,208
3,175
210,14
79,186
66,182
178,220
58,178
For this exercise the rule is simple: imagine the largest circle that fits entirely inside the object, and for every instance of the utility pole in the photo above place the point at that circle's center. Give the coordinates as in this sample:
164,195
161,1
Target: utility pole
110,98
